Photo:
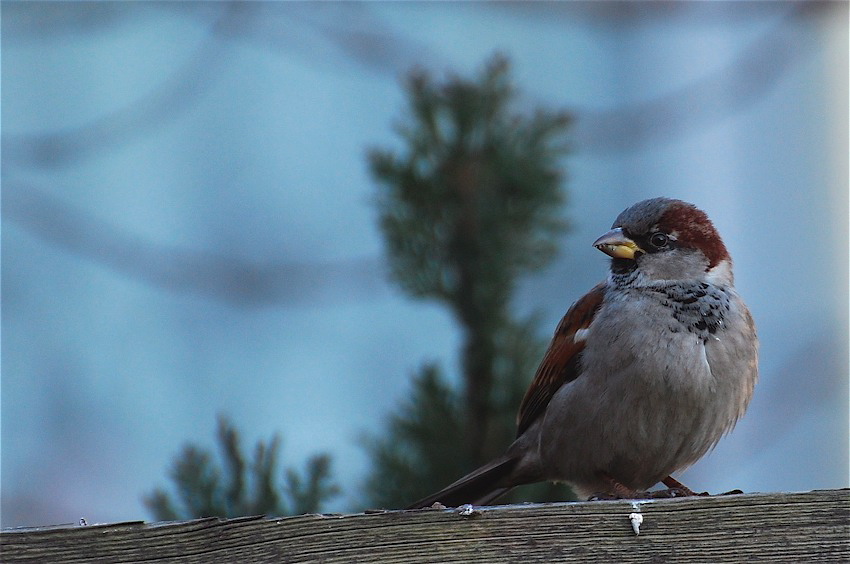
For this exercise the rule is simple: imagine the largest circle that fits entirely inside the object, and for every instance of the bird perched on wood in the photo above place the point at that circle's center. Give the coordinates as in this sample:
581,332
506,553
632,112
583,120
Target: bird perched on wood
644,374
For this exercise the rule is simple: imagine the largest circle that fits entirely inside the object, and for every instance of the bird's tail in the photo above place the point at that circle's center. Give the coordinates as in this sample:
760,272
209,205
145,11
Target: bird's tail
479,487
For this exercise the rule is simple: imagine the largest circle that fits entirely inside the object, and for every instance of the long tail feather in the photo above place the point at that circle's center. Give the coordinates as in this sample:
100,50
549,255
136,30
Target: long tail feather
479,487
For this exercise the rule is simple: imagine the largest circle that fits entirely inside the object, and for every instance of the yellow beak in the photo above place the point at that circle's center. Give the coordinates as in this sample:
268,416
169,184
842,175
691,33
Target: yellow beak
617,245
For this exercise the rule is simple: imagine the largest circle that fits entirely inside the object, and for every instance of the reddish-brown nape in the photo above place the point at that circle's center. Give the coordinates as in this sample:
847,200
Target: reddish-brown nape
693,229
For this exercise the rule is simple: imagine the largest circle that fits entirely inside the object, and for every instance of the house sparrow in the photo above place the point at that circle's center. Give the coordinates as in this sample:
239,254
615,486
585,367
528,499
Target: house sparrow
645,373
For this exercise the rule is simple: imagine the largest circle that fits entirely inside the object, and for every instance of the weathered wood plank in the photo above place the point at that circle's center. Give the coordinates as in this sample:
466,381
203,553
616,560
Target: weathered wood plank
783,527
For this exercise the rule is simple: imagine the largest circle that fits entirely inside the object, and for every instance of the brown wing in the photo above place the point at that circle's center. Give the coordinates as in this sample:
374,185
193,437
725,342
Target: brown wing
561,363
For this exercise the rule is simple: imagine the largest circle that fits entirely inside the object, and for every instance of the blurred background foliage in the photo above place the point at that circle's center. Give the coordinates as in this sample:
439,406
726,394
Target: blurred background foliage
236,486
471,205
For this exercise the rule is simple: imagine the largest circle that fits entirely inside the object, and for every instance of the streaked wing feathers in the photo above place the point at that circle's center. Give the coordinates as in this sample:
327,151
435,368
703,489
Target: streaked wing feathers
561,363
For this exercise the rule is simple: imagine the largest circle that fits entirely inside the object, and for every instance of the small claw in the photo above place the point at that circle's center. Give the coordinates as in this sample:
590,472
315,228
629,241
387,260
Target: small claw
675,484
731,492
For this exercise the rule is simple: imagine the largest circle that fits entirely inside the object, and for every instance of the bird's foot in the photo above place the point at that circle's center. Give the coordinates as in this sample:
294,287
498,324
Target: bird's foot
731,492
637,494
616,490
675,488
674,492
684,491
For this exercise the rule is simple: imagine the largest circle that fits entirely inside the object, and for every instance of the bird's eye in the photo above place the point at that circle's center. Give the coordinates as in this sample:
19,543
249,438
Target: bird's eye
659,240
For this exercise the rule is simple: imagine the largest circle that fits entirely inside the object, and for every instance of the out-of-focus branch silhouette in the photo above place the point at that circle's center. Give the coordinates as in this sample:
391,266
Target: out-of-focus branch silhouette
360,37
346,34
756,70
363,39
357,37
169,99
232,280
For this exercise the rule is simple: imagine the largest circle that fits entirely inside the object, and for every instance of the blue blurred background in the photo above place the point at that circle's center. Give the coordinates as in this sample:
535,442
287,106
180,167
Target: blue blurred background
188,228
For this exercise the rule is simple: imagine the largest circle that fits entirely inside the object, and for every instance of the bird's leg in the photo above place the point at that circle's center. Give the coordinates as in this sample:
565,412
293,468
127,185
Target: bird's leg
616,490
674,484
677,487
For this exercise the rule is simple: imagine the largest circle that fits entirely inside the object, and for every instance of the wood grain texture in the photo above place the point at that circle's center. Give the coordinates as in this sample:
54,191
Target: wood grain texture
780,527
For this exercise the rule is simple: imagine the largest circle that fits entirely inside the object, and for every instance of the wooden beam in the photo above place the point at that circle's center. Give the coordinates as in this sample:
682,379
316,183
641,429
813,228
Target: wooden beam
777,527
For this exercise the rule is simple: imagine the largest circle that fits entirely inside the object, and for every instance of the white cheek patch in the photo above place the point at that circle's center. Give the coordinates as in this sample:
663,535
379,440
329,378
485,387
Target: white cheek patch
721,274
580,335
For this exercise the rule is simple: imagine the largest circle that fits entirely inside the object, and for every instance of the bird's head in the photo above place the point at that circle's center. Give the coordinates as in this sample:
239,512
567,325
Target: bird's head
666,239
